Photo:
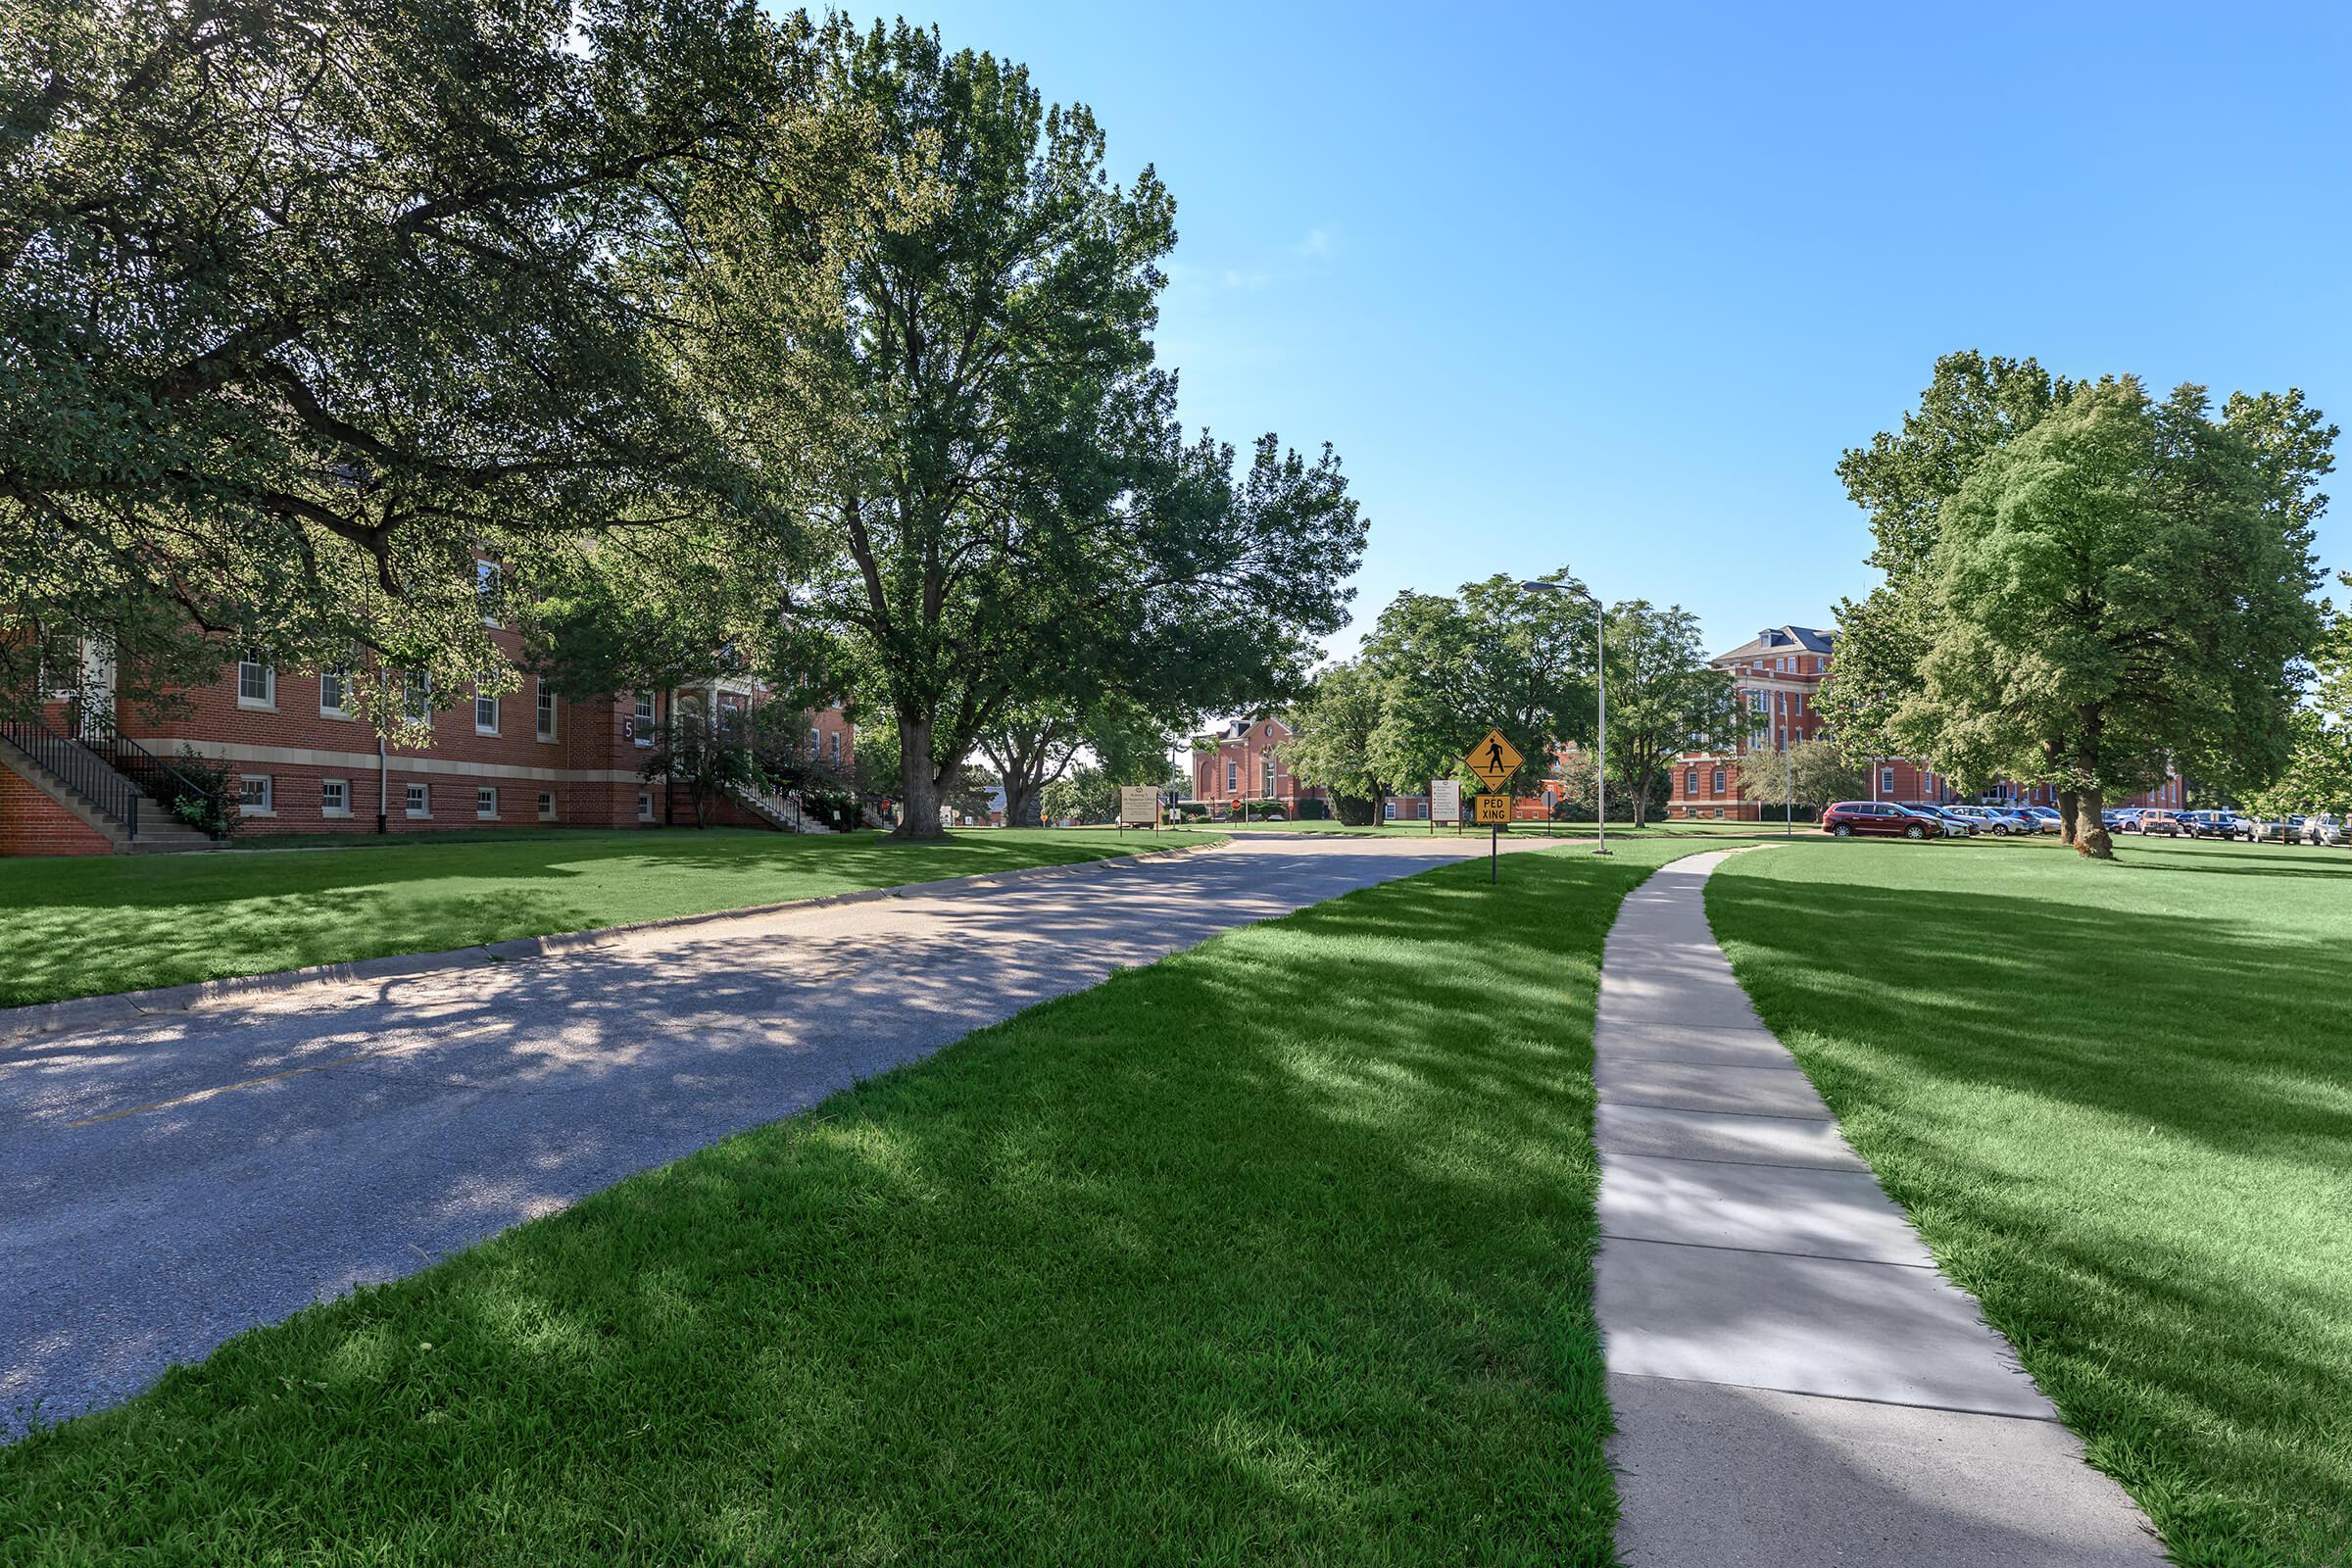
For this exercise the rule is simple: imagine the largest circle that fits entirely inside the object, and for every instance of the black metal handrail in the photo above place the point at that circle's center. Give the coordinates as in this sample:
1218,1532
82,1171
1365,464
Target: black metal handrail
165,784
78,768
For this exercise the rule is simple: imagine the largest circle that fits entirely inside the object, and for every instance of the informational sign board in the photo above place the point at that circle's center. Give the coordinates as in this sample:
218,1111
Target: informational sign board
1493,760
1139,805
1444,799
1494,810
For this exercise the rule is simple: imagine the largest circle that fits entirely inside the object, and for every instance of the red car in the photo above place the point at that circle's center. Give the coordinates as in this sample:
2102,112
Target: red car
1850,819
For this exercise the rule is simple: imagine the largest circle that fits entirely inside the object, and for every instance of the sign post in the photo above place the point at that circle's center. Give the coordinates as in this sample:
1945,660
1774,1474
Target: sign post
1139,807
1492,761
1444,803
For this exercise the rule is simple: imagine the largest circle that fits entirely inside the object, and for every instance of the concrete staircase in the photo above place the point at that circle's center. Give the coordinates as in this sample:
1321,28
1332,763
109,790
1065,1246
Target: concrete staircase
778,812
126,816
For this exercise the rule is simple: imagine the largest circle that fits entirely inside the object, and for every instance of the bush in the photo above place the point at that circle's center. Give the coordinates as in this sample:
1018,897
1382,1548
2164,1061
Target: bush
208,804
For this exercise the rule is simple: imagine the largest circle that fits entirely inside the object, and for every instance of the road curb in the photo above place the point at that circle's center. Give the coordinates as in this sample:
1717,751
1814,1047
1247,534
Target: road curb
42,1019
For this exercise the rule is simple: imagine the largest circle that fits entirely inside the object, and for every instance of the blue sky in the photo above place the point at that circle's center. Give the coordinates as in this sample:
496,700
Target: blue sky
1612,287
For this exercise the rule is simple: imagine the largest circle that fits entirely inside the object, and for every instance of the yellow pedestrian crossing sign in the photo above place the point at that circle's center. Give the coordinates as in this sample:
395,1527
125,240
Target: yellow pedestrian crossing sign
1493,760
1494,810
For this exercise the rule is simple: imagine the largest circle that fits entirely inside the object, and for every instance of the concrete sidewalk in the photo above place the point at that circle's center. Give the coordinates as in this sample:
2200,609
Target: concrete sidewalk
1794,1381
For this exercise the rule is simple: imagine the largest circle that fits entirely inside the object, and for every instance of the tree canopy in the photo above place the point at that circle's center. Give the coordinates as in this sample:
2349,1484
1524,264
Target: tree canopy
305,305
1665,697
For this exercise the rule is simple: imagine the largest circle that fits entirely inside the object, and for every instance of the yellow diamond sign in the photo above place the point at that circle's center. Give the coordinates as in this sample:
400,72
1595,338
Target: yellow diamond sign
1494,759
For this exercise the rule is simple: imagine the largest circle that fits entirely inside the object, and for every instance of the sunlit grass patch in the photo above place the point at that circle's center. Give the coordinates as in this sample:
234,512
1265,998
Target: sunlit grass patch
2118,1100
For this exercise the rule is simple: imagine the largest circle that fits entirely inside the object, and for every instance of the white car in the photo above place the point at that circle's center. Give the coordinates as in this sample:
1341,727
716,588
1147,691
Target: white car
2323,829
1992,819
2046,815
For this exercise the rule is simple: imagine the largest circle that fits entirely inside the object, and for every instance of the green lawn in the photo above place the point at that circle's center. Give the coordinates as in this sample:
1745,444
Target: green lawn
1277,1251
81,927
2118,1100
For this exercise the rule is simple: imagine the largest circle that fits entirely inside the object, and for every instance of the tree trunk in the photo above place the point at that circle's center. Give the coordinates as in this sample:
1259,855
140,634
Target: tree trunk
1022,804
2066,802
2090,833
920,818
1643,781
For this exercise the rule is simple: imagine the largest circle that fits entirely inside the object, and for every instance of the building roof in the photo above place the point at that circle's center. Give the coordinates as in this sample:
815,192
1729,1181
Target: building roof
1774,641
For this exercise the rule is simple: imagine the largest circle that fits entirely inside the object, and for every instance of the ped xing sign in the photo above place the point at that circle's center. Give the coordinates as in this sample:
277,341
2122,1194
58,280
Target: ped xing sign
1493,760
1494,810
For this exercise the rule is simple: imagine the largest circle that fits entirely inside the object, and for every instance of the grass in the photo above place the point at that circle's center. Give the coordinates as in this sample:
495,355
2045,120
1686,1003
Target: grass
81,927
1276,1251
2118,1100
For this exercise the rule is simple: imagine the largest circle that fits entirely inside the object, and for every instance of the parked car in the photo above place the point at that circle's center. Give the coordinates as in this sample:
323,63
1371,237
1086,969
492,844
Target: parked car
1994,820
2046,815
2323,829
1885,819
2271,829
1942,813
2120,818
2160,820
2209,824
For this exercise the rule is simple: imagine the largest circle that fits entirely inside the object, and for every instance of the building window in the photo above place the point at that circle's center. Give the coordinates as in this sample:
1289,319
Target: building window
335,693
416,696
1233,779
643,728
1885,781
1268,769
485,805
486,706
256,682
547,713
334,797
1718,789
419,800
1388,807
1691,781
485,590
547,805
253,795
645,806
836,745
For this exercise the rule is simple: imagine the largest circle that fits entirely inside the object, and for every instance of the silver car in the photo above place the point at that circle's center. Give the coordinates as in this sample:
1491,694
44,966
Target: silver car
2323,829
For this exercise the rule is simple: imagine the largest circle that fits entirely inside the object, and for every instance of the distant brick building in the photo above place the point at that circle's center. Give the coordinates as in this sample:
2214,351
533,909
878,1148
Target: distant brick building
1241,759
304,762
1777,678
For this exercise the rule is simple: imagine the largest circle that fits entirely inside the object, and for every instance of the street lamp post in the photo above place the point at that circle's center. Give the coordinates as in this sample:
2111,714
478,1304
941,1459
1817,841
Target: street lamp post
1600,683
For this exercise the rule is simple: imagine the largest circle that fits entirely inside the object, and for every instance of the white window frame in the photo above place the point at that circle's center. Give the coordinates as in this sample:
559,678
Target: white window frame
251,659
341,678
1885,781
1717,782
645,718
1388,810
835,744
481,697
417,801
485,590
544,712
645,806
482,793
267,805
325,808
416,696
547,805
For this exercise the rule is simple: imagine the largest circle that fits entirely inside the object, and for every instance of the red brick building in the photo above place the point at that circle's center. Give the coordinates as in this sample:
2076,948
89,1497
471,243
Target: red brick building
1241,759
1778,678
303,762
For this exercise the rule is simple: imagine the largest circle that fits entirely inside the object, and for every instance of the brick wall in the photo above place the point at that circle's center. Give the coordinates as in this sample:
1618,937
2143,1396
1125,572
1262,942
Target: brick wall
31,824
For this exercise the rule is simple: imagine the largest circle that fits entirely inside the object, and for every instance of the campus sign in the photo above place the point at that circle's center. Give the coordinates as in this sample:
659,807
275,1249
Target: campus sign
1139,805
1444,800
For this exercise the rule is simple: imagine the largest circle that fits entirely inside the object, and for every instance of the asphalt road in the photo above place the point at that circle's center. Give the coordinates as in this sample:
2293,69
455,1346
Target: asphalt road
167,1184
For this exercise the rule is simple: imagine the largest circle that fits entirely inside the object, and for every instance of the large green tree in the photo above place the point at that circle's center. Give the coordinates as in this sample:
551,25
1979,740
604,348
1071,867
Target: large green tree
961,377
2120,589
1495,655
1815,772
1665,697
1334,732
306,302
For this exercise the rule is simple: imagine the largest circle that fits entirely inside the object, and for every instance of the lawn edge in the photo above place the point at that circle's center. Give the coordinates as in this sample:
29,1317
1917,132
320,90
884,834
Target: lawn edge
41,1019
